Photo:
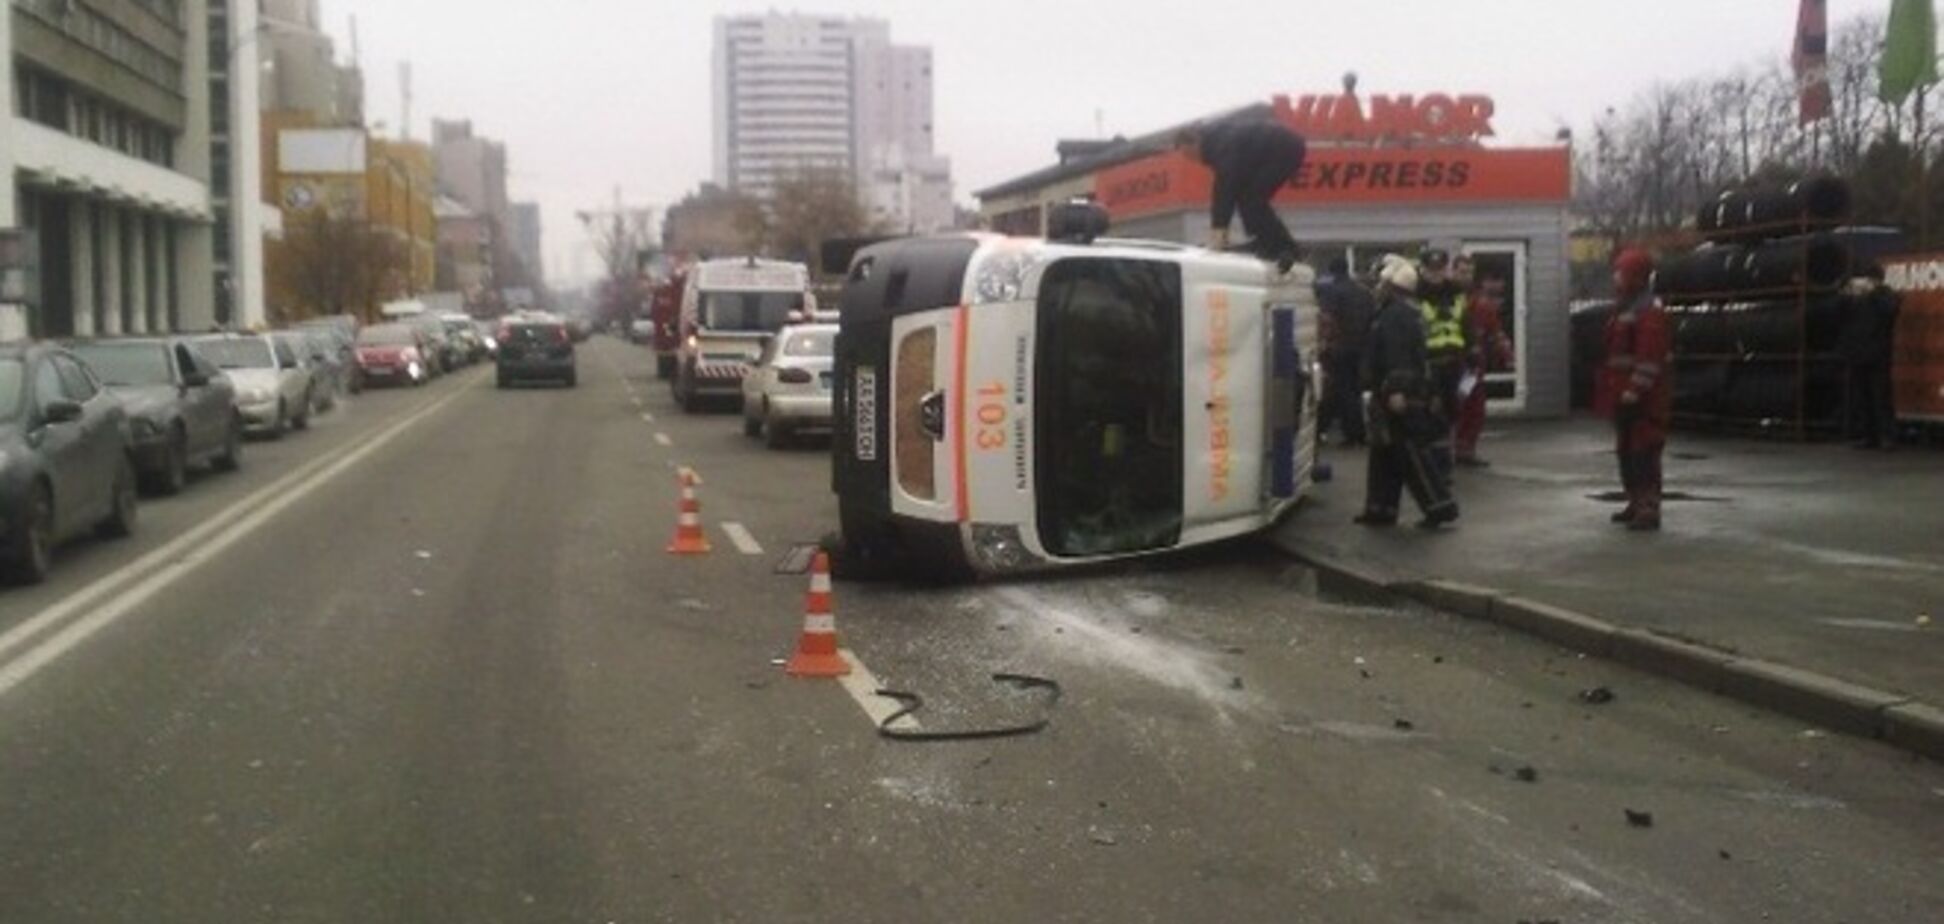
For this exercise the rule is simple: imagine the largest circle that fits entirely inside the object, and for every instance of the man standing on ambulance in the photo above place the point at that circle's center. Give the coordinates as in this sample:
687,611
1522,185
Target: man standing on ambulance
1252,161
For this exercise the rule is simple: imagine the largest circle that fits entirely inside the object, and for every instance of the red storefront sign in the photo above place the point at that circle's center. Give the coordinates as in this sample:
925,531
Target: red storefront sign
1434,116
1917,373
1354,176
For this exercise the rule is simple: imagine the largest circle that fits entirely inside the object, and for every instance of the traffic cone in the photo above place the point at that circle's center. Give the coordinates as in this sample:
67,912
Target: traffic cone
689,538
816,654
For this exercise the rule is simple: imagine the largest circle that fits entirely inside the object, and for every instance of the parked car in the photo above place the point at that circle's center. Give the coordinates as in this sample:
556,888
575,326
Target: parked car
535,349
394,354
471,347
327,377
342,333
788,392
273,388
181,409
64,465
442,355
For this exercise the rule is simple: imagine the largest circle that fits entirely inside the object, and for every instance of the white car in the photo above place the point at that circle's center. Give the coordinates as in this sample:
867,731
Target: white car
274,389
1008,405
787,392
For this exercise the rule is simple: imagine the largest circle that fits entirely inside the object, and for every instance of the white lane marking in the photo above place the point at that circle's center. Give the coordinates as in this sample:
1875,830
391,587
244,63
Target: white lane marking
175,548
647,417
663,439
862,686
637,402
740,537
266,504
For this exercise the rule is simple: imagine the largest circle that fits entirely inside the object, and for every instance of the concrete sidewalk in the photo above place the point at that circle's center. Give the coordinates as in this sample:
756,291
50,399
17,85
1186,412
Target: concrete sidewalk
1817,557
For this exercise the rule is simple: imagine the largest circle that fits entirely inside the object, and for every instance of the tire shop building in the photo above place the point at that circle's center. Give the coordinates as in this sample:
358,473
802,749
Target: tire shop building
1384,174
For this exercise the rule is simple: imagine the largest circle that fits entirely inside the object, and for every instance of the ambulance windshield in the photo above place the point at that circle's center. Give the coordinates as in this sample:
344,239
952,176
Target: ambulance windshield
1108,412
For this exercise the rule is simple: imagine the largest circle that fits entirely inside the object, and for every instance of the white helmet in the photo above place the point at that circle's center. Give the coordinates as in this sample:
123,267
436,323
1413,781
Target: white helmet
1398,273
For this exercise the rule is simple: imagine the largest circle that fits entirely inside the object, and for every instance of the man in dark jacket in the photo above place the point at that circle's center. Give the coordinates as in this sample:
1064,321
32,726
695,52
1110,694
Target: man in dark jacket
1251,161
1867,344
1395,371
1348,308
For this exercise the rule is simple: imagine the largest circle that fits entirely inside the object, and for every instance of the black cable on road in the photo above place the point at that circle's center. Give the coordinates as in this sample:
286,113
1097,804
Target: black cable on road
913,702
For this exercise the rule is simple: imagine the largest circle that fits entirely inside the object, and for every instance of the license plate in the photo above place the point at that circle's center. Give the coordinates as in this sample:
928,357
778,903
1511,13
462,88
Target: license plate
866,414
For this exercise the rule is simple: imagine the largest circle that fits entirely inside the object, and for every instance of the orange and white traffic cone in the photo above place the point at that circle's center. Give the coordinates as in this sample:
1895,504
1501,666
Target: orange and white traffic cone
816,654
689,538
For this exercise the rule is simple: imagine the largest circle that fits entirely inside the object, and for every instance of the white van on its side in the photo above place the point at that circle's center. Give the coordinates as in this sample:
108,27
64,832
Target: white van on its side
1008,405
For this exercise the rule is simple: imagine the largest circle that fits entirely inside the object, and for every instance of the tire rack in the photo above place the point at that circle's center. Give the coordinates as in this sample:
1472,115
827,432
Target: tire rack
1801,358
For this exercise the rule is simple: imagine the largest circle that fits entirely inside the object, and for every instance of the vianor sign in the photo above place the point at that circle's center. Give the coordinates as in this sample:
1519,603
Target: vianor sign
1432,117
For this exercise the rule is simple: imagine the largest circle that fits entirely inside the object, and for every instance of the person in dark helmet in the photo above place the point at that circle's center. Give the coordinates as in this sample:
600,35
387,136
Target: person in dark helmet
1251,161
1636,388
1402,426
1867,343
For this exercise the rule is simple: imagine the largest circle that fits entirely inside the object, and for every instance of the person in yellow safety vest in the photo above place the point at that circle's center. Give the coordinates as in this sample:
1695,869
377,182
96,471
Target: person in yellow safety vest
1447,344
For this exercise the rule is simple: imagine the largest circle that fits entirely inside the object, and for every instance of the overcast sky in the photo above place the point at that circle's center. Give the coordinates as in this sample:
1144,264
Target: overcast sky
590,94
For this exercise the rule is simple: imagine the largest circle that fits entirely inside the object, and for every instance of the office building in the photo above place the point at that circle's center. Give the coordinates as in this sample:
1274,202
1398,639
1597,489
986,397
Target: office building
300,67
795,92
119,156
526,240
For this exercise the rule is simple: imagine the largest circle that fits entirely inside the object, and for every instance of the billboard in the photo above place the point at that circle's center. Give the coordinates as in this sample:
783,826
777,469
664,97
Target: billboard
1917,370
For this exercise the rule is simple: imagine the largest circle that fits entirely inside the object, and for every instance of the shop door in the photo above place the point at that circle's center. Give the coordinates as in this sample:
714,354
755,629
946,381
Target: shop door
1501,269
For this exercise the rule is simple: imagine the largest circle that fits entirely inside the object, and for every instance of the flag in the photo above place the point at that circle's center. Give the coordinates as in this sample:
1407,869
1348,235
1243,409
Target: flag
1909,51
1811,60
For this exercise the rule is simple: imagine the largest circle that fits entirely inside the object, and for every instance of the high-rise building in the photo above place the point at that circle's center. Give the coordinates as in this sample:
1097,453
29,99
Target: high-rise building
472,169
119,154
472,173
795,91
526,237
300,68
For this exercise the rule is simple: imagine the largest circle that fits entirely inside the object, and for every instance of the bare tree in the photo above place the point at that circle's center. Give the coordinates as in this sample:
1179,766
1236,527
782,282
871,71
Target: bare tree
335,264
810,206
1654,162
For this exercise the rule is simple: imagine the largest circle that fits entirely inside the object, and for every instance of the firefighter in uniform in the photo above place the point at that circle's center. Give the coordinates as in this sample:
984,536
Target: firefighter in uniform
1443,301
1402,427
1635,388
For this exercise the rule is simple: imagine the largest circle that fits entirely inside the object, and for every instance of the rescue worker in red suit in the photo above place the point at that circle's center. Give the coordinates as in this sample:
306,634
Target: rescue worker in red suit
1486,349
1635,387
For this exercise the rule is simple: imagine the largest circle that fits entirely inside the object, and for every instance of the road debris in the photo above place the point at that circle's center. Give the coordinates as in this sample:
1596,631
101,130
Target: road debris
1402,724
1526,774
1235,683
423,554
1597,696
1639,819
1103,838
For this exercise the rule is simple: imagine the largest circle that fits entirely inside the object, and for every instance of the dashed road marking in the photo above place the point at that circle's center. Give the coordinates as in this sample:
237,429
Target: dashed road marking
647,417
862,686
739,536
662,439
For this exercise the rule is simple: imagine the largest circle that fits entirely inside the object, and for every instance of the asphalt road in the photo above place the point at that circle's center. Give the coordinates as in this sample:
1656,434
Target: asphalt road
445,672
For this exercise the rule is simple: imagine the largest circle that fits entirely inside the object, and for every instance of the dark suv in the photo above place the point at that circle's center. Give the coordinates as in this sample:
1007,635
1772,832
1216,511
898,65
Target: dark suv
531,349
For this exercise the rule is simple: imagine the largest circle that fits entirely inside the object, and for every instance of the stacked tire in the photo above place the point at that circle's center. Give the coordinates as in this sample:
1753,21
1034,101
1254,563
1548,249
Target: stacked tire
1756,311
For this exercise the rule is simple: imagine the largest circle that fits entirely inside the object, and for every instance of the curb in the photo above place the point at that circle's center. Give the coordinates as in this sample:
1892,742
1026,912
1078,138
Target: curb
1838,705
